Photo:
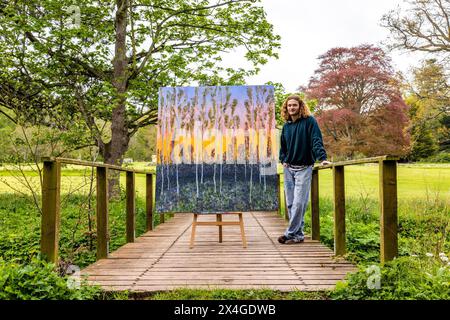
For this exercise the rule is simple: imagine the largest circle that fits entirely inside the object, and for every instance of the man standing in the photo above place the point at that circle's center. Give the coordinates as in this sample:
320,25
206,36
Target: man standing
301,146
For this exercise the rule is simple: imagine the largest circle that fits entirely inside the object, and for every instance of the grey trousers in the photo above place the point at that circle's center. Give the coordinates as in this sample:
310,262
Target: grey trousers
297,184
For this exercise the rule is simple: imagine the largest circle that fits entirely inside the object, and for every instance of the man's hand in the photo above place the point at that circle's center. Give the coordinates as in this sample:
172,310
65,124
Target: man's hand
285,165
325,162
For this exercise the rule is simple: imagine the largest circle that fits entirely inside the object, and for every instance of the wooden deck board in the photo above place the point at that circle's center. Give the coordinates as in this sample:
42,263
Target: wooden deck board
161,259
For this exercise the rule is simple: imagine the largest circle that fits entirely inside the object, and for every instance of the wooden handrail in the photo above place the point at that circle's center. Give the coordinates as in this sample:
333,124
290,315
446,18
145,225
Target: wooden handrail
51,193
356,161
51,189
94,164
388,204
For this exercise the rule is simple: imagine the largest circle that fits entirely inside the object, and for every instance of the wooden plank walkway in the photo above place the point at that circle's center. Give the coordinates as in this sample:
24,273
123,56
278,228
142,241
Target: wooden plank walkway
161,259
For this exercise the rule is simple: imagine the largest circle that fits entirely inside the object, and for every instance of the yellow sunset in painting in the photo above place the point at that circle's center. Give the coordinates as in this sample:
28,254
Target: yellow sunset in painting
211,125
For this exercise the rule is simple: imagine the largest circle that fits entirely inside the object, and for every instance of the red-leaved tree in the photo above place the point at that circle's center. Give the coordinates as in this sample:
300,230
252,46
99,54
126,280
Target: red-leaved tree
360,108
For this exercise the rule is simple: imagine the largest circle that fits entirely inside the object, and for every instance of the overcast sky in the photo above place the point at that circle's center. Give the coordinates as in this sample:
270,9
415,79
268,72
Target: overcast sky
309,28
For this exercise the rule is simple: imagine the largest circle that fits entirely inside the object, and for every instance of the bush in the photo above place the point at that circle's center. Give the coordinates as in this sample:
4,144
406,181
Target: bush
441,157
38,280
20,228
404,278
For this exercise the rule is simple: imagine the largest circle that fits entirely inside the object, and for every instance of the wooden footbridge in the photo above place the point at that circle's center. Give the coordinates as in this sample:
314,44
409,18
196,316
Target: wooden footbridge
161,258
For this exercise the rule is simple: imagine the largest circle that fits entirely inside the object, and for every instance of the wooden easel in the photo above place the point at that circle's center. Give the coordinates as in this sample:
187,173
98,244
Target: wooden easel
219,223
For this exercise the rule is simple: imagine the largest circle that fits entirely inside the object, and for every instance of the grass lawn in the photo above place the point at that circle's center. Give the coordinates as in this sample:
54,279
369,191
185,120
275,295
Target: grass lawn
414,181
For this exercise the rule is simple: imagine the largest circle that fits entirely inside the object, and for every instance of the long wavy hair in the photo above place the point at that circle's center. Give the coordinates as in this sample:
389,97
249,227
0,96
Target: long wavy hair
304,110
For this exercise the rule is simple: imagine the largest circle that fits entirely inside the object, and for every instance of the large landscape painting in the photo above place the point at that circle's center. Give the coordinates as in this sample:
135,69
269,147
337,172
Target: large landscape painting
216,149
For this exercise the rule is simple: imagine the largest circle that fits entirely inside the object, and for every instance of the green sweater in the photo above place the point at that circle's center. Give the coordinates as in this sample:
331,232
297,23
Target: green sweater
301,142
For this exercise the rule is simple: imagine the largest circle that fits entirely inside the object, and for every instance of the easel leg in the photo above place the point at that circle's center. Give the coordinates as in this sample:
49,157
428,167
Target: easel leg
194,225
241,224
219,219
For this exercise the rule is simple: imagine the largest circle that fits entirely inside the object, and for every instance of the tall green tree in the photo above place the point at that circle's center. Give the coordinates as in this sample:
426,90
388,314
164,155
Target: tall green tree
428,100
423,143
143,144
101,63
423,26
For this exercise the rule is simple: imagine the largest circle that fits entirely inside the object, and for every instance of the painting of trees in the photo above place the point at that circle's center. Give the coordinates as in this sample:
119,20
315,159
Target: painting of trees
229,129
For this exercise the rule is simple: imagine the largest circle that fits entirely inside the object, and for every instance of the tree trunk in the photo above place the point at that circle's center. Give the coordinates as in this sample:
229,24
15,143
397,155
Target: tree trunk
119,129
115,157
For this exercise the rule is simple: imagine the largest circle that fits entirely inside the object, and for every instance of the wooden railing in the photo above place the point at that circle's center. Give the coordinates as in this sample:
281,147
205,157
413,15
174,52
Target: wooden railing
388,204
51,190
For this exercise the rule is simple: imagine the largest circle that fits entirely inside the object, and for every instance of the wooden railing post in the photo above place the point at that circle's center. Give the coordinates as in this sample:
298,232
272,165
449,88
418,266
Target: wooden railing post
339,210
51,192
149,200
388,203
131,206
102,213
315,218
162,218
